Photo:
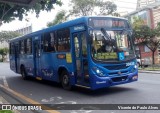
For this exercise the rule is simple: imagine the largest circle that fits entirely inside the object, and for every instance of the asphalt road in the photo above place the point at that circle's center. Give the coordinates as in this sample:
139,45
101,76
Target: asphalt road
144,91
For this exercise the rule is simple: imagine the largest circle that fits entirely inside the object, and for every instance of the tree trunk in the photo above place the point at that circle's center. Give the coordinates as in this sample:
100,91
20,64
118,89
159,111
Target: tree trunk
2,58
140,55
153,57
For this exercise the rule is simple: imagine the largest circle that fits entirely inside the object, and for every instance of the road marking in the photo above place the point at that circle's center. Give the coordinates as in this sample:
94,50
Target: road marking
27,99
5,82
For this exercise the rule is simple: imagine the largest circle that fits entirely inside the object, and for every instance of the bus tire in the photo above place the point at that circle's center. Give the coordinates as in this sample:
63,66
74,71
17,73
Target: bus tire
65,80
23,73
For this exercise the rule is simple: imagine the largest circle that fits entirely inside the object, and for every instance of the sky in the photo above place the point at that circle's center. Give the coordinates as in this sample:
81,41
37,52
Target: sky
123,6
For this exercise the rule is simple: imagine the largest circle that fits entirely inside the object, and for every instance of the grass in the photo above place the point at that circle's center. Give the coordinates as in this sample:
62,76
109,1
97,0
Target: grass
6,111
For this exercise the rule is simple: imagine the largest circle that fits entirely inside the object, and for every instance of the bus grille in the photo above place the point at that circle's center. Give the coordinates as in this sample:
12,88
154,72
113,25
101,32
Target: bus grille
119,79
116,73
116,67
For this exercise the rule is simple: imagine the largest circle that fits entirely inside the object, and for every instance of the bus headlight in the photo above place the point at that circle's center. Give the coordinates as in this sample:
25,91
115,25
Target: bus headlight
98,71
135,66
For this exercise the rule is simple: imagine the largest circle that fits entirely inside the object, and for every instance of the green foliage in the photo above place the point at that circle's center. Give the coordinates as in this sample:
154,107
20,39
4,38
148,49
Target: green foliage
6,111
6,35
137,23
90,7
144,35
11,11
85,8
60,17
3,53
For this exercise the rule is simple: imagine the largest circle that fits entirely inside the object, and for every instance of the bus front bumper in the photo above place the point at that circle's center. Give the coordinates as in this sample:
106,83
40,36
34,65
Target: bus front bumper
102,82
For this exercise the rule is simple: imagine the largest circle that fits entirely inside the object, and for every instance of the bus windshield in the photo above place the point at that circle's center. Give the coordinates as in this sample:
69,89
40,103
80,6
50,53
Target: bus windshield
107,43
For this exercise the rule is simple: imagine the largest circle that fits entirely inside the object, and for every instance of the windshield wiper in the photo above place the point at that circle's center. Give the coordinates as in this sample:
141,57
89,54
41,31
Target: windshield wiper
107,37
108,40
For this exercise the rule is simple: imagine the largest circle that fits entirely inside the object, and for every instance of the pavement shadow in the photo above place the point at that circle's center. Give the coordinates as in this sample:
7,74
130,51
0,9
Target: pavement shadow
104,91
76,90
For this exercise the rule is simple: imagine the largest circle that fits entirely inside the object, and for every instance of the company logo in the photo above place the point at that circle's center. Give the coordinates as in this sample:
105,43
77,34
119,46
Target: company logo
119,73
78,28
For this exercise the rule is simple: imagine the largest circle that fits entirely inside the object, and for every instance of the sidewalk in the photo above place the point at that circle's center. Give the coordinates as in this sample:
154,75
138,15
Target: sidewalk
2,100
144,71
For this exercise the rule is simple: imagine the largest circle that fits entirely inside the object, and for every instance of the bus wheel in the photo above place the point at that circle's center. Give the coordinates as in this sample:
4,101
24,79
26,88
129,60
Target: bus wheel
23,73
65,80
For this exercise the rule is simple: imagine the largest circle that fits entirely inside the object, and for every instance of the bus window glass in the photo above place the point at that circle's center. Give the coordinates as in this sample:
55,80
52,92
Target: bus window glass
48,42
22,47
77,48
53,42
29,46
63,40
84,44
106,48
12,50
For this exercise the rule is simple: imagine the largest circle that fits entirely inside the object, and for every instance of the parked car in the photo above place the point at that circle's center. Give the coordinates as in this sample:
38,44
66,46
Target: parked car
143,62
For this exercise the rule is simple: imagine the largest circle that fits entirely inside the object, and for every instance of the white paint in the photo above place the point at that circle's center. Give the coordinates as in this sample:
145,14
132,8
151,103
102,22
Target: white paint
81,111
67,102
5,81
51,99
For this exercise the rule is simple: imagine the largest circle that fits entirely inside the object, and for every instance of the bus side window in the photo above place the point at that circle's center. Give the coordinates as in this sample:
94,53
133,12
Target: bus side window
63,36
48,42
77,48
84,44
22,47
53,41
12,49
29,46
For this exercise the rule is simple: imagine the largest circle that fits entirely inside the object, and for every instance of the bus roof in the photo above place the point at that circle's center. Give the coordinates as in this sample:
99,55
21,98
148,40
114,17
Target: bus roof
70,23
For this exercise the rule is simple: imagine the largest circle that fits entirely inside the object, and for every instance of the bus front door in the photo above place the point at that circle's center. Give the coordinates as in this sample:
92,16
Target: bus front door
36,46
81,60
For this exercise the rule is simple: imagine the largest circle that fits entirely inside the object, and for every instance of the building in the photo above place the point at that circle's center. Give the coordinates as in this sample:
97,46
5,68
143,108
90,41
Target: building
25,30
22,31
144,3
149,11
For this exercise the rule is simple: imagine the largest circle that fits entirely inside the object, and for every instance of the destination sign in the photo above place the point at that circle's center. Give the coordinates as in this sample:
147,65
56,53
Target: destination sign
108,23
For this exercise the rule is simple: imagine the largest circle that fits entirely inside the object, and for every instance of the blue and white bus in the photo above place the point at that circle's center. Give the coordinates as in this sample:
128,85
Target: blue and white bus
90,52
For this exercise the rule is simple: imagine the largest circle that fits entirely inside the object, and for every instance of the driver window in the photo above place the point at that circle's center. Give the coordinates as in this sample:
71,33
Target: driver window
77,48
84,44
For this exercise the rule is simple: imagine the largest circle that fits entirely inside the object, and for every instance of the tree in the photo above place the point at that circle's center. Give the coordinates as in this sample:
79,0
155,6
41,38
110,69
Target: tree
136,25
90,7
85,8
6,35
151,39
11,11
60,17
3,53
144,35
